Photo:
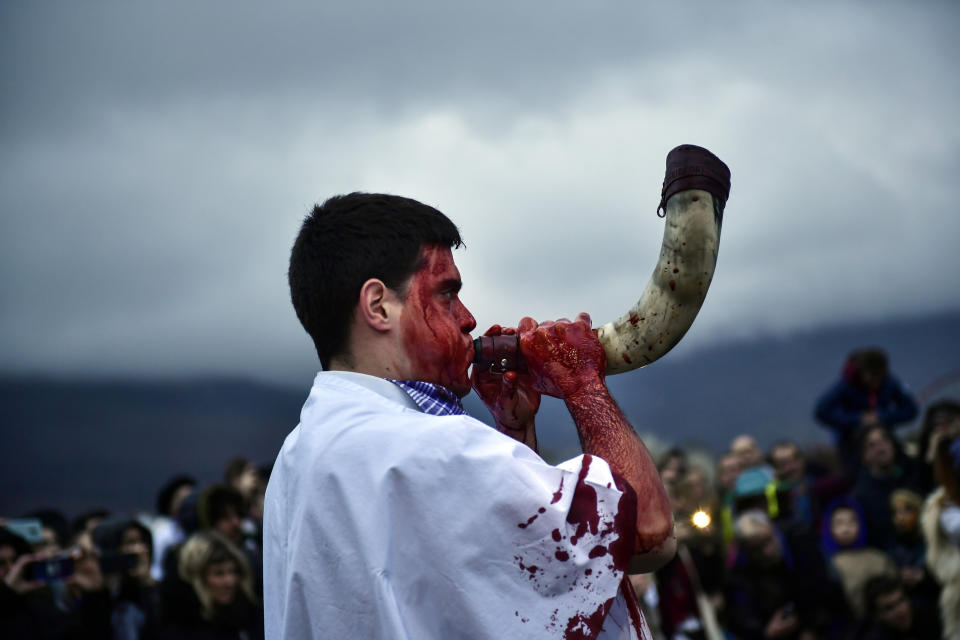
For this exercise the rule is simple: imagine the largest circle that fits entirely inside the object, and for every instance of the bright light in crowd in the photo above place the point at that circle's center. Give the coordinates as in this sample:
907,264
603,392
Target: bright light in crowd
700,519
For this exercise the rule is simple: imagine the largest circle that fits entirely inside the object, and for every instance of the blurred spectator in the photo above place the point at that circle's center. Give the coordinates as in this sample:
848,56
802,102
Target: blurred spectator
12,547
728,469
893,615
223,605
940,522
165,528
694,490
849,556
884,469
867,394
221,508
88,521
242,476
684,606
126,551
645,586
82,599
215,509
807,491
789,466
55,530
748,452
909,550
756,490
673,468
778,586
255,510
941,420
697,524
690,585
26,607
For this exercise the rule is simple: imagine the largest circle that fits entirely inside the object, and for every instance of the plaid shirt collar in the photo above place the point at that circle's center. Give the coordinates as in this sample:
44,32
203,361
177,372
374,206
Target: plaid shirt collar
431,398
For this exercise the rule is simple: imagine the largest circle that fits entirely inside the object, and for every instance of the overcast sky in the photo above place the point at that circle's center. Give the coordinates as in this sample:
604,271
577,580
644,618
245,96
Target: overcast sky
156,160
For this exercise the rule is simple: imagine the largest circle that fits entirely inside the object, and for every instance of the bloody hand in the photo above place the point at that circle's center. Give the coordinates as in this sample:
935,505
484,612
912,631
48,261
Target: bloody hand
510,397
563,357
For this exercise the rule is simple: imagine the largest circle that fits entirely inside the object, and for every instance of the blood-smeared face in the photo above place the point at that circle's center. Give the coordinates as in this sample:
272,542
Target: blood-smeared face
435,326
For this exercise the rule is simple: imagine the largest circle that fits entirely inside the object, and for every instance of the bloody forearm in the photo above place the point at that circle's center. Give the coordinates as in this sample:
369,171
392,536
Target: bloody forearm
605,432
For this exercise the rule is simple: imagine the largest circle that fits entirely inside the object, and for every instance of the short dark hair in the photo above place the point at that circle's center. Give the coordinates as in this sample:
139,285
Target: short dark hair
946,407
864,431
55,521
673,453
17,543
165,495
214,503
348,240
871,360
784,444
108,535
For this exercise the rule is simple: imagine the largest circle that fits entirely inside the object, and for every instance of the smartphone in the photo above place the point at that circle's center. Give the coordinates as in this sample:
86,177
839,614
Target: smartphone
118,562
30,529
49,570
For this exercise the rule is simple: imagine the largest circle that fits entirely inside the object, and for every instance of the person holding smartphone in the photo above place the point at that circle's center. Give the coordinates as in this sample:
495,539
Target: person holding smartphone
126,546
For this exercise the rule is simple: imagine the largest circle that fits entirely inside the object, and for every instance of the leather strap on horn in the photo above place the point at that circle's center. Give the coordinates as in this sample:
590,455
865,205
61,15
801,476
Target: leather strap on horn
693,167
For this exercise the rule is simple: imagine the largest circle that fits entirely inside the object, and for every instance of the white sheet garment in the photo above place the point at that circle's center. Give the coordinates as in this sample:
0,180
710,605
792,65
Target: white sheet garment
384,522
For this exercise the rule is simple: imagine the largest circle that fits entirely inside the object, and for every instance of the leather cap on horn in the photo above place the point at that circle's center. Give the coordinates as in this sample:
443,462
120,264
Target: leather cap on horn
695,190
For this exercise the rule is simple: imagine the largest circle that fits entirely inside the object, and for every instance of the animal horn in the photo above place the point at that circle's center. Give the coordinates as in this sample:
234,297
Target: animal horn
695,190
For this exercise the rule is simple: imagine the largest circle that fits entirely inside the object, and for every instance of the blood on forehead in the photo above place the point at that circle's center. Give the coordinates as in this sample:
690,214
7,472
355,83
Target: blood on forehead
437,261
436,325
436,274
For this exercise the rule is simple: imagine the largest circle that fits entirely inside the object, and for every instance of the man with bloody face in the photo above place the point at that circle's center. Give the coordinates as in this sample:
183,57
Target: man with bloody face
390,513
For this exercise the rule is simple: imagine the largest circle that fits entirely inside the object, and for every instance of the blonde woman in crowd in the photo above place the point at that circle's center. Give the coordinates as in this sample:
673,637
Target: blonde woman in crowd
220,578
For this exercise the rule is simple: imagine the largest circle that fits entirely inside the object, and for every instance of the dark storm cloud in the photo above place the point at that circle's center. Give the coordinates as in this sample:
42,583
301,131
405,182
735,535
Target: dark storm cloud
157,158
72,60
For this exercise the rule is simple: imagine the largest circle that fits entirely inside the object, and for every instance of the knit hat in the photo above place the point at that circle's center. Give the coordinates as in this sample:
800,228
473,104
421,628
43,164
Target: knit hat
752,482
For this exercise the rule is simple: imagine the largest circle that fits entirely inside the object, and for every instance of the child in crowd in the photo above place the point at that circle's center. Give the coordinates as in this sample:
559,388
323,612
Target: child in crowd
849,557
908,549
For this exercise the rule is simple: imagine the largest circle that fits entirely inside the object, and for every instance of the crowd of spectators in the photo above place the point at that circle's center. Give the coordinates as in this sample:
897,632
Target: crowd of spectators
192,569
859,540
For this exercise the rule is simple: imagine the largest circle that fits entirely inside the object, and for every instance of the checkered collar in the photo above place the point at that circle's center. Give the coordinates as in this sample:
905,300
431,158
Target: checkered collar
431,398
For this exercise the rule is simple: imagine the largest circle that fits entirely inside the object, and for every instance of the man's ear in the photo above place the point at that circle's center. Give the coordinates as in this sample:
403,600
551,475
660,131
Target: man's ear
375,305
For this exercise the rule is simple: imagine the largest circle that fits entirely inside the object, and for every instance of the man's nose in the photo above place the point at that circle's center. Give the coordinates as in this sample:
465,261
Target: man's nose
467,322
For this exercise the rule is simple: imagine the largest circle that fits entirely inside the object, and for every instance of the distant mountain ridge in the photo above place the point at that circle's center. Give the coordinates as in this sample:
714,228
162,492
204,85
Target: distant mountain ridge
76,444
